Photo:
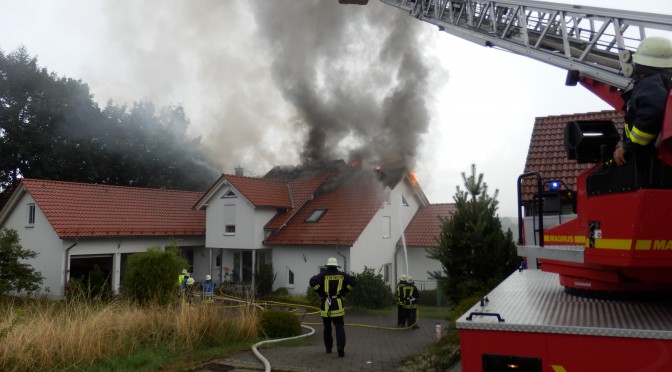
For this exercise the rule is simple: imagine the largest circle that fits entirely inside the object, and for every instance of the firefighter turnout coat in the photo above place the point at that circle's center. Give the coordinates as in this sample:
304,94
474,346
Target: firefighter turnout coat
644,109
332,285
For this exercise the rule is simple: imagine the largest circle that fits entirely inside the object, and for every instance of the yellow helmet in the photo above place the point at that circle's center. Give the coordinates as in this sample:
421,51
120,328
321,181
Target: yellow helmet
409,280
654,51
403,277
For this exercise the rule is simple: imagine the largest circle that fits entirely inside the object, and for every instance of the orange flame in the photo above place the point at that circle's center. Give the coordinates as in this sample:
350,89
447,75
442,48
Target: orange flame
377,168
413,178
354,164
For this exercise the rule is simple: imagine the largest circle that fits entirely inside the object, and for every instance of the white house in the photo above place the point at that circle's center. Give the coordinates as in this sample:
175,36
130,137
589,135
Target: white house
74,226
294,218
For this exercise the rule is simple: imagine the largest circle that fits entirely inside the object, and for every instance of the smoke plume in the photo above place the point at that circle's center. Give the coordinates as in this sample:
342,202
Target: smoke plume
278,82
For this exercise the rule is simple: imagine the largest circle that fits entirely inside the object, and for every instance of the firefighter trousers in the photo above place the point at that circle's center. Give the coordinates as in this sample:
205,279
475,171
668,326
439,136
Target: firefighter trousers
339,324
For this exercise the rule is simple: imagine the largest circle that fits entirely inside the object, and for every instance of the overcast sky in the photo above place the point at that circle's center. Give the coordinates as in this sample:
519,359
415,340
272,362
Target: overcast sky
228,63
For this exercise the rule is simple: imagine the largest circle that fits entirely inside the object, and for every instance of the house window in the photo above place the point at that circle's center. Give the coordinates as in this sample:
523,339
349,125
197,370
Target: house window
387,226
387,198
403,201
230,194
31,214
315,215
386,272
229,219
290,277
218,260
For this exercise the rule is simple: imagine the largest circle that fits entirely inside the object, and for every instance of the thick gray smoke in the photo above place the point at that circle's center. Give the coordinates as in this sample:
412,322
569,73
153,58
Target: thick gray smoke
270,82
355,76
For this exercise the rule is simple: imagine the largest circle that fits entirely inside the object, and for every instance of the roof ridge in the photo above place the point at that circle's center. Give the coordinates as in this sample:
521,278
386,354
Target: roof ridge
256,178
575,114
32,180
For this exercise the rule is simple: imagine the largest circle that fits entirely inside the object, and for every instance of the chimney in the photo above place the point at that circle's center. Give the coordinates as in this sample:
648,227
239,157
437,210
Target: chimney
238,171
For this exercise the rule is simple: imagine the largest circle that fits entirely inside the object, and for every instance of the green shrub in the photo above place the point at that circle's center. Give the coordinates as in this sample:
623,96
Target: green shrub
279,324
281,292
465,305
312,297
152,275
371,292
264,279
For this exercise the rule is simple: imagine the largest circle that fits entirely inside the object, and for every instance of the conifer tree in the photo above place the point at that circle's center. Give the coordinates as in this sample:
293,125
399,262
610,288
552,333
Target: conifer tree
474,251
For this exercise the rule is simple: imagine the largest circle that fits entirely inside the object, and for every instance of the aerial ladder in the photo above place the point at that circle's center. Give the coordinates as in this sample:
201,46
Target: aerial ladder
618,246
621,239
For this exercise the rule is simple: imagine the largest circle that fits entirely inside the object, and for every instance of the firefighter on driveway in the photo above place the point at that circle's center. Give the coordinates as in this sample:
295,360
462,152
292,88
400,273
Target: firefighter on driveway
645,102
332,285
410,295
401,315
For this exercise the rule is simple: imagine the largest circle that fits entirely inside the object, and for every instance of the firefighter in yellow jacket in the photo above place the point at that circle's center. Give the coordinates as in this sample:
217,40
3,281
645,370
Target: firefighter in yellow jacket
332,285
410,296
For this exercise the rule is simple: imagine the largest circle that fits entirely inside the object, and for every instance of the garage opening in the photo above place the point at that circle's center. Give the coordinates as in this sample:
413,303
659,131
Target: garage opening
92,273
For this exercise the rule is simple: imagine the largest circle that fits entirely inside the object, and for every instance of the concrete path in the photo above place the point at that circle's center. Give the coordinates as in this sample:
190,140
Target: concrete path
367,349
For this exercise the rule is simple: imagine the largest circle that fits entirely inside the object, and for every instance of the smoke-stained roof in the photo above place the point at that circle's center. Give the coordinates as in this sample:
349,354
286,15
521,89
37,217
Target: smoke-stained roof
349,207
300,189
94,210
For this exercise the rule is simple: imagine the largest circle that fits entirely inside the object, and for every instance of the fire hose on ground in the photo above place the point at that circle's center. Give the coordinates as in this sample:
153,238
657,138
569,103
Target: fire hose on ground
304,325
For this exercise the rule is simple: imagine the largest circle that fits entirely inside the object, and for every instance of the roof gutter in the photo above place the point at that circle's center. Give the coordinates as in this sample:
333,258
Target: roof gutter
67,265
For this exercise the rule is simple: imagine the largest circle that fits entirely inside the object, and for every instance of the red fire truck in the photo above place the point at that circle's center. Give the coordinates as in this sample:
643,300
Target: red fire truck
574,314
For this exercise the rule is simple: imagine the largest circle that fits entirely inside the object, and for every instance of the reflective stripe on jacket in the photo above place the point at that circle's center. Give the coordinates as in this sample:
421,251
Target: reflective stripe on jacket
331,286
644,110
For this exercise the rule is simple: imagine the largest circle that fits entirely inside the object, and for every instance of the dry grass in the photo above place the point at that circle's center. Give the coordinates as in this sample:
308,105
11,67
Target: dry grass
55,335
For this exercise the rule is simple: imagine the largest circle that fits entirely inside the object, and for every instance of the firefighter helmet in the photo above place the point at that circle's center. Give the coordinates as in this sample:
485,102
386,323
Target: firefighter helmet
654,51
403,277
409,279
332,262
190,281
185,272
208,277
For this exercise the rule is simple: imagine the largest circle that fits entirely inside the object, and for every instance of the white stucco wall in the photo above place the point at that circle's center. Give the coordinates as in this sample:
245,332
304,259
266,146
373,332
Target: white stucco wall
418,264
304,262
372,249
41,238
249,221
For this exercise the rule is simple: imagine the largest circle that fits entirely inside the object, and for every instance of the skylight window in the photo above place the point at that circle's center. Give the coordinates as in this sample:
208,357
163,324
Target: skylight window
315,215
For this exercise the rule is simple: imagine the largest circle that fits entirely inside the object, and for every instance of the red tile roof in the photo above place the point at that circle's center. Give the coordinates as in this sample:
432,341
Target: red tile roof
262,192
91,210
349,209
300,190
547,156
425,227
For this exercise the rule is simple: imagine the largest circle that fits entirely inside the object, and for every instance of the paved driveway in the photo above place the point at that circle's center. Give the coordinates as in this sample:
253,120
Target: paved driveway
367,349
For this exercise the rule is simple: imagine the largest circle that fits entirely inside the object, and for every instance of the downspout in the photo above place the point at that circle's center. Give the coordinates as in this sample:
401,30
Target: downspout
345,260
67,264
